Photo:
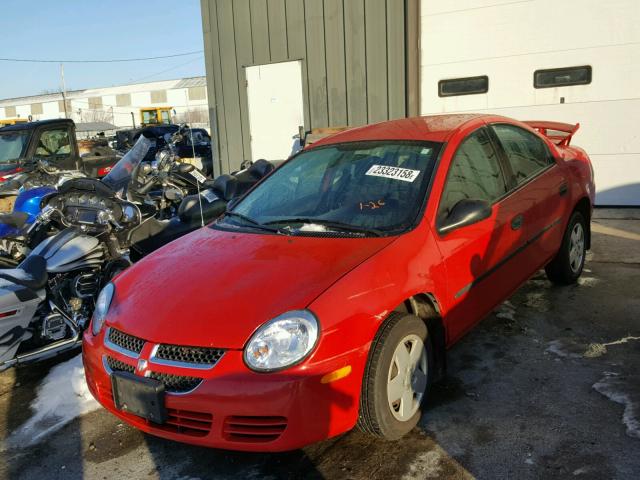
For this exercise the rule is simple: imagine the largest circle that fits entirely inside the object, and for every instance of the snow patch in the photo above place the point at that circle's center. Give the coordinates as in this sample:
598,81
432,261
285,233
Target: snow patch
557,348
426,465
506,311
613,387
598,349
62,396
588,281
538,301
312,227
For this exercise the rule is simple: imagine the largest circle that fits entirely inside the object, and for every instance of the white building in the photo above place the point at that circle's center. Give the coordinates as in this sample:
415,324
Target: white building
283,64
119,105
509,41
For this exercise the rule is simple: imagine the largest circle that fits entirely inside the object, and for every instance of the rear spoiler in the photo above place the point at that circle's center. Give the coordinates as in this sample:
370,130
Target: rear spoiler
554,131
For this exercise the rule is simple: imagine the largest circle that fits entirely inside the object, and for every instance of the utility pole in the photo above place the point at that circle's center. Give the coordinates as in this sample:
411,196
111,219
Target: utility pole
64,92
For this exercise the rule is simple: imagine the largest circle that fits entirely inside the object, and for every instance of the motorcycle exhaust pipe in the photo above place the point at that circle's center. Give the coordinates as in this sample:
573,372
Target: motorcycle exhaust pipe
47,351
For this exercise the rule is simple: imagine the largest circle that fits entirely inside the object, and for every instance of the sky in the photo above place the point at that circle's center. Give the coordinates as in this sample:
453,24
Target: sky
91,29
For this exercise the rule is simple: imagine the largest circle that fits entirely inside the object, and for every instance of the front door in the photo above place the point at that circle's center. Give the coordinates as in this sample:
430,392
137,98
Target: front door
478,258
276,109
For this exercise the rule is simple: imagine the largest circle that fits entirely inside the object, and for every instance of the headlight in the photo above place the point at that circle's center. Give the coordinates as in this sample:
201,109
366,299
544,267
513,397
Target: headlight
102,307
282,342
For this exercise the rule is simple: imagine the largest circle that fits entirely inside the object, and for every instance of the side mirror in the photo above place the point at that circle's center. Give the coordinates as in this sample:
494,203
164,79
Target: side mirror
465,212
186,168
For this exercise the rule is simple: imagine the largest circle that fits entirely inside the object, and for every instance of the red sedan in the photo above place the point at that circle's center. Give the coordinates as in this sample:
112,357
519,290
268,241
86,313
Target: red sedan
327,296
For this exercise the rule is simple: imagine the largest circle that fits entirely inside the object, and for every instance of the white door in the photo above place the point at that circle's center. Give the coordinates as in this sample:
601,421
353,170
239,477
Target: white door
275,109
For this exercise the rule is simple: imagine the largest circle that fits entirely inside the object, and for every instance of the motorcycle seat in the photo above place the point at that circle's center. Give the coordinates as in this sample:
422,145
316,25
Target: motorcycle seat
31,273
14,219
189,209
225,187
252,175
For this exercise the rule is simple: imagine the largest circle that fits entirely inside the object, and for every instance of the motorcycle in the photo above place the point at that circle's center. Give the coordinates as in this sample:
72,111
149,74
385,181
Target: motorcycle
103,226
30,187
20,199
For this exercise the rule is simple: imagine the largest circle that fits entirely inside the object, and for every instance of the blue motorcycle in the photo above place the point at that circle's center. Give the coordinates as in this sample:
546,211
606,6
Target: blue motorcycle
22,195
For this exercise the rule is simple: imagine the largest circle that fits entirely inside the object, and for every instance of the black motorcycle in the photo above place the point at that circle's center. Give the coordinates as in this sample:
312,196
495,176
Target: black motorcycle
103,226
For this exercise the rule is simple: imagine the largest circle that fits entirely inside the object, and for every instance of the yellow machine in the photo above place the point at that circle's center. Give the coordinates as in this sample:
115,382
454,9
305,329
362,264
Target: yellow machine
12,121
155,116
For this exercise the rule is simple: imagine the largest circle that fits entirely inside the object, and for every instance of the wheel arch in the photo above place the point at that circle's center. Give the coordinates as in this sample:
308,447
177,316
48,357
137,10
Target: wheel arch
583,205
426,307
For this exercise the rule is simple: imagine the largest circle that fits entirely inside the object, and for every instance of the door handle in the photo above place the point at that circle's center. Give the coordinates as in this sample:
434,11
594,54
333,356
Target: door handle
516,223
563,190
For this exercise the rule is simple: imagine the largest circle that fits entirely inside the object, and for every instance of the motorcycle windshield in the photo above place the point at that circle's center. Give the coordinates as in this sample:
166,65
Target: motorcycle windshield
119,177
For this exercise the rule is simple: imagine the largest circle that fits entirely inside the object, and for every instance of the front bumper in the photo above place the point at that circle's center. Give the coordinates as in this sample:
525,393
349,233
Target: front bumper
237,409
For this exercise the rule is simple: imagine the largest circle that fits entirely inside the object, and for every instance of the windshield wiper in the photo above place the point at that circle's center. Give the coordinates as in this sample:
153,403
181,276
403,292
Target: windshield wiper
254,223
328,223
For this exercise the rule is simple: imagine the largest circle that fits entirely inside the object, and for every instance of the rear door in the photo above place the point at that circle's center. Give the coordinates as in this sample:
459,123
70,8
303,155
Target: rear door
479,258
540,187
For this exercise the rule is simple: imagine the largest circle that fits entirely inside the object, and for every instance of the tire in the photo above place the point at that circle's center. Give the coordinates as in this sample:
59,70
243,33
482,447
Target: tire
379,414
566,267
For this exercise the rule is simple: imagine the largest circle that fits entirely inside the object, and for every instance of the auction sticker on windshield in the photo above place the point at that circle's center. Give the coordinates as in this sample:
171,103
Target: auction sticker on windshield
397,173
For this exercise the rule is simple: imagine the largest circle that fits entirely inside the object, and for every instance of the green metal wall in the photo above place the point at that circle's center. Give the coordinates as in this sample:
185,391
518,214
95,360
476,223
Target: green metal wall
352,52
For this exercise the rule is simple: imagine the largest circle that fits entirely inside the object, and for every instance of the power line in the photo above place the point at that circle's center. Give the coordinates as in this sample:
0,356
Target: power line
114,60
165,71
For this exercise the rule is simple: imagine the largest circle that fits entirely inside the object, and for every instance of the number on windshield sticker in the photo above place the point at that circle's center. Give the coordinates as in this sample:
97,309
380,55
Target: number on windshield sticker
397,173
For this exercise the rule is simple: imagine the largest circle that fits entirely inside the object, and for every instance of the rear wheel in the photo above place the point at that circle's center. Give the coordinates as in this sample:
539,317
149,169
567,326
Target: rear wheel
567,265
397,377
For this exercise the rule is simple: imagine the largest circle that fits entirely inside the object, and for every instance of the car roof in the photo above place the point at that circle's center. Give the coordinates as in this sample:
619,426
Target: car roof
36,124
434,128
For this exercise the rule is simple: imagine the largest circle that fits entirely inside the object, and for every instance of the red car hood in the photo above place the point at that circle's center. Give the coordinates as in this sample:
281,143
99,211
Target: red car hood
214,288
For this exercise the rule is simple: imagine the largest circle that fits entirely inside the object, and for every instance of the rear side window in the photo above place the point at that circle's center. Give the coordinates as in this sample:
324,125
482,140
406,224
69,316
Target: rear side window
54,143
474,174
527,154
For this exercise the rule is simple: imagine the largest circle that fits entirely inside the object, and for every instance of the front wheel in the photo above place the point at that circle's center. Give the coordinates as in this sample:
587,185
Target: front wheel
397,377
567,265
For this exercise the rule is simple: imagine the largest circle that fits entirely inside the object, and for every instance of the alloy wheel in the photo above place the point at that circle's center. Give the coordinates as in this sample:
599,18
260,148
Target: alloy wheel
407,378
576,247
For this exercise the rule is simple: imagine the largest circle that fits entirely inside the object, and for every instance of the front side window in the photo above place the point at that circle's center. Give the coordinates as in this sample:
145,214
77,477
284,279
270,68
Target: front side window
474,174
13,146
358,188
527,154
54,143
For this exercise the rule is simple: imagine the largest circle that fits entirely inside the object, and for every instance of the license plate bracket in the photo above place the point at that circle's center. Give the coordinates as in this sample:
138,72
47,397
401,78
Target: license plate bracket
140,396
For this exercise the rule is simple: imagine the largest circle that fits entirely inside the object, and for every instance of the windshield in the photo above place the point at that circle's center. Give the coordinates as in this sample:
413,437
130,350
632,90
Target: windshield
120,175
365,188
13,145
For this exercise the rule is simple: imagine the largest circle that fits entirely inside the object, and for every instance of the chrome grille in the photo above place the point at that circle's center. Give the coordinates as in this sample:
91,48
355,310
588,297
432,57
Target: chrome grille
194,355
125,341
118,366
176,383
